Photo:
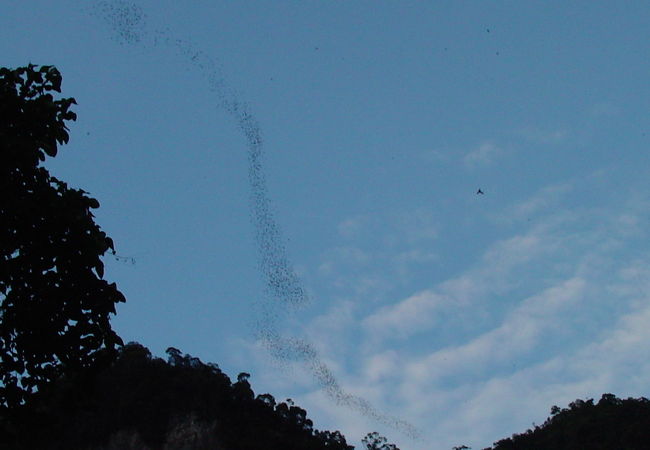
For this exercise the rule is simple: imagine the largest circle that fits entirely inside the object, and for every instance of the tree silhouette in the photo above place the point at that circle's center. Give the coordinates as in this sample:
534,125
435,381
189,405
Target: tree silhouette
374,441
181,403
612,423
54,303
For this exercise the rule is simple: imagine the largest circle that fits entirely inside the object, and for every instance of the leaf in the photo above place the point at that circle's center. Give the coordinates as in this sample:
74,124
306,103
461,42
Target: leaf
99,268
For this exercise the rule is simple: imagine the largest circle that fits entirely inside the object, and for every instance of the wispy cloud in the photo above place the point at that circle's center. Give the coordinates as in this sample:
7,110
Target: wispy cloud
502,379
342,256
415,313
418,225
539,202
546,313
604,110
406,264
521,331
352,226
377,252
485,154
422,310
524,395
541,136
504,376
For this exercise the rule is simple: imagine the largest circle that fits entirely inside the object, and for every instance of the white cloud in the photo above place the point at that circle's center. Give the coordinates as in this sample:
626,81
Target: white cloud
538,135
484,155
422,310
477,392
415,256
329,332
378,252
479,410
381,365
417,226
352,226
613,364
535,309
342,257
517,250
413,314
501,391
540,202
436,155
605,110
520,332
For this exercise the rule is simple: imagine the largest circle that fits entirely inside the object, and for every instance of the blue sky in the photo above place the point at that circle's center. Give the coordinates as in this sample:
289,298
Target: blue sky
466,316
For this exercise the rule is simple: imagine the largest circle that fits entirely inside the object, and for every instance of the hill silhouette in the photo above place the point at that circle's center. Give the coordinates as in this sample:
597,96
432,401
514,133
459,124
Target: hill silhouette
610,424
146,403
142,402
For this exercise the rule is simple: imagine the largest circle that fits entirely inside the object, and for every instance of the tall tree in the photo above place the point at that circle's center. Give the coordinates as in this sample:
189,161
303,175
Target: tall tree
375,441
54,303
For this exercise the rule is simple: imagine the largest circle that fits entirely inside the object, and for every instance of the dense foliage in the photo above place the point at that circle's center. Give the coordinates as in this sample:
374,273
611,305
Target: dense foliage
612,423
54,303
149,397
374,441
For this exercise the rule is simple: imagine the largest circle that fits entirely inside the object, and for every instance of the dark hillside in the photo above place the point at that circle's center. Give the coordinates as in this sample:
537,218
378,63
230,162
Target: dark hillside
147,403
612,423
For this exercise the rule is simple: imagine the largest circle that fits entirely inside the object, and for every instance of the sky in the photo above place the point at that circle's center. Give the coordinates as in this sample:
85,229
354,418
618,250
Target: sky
291,188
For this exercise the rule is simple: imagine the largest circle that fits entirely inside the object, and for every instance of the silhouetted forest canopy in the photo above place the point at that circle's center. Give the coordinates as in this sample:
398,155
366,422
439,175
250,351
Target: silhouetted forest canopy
145,402
611,423
67,381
